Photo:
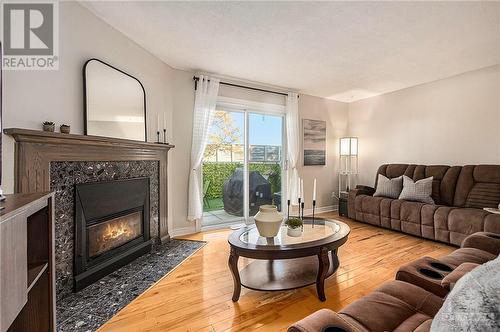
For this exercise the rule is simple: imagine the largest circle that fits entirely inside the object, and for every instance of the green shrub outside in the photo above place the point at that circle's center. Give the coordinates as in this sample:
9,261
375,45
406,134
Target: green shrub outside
218,172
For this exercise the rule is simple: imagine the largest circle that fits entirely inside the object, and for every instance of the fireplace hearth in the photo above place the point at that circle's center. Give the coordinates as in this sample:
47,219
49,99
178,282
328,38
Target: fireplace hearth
111,227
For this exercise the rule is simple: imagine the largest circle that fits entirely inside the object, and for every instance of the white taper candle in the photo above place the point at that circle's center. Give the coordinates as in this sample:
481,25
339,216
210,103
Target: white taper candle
314,190
302,189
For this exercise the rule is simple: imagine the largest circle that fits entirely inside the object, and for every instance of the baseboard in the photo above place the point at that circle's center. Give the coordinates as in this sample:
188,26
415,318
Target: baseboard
182,231
322,209
221,226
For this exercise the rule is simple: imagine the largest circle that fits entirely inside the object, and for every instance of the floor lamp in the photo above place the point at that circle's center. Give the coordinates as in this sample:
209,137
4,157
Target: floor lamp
348,162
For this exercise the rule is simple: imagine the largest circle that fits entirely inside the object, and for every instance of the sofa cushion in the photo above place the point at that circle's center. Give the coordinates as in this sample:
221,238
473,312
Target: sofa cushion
478,186
396,214
467,255
444,181
492,223
427,220
451,279
385,212
418,191
390,188
486,241
441,230
368,209
463,222
392,305
416,322
410,217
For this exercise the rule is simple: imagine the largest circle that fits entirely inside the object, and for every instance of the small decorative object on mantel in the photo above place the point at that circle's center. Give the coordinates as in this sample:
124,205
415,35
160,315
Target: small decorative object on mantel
268,220
49,126
294,227
65,129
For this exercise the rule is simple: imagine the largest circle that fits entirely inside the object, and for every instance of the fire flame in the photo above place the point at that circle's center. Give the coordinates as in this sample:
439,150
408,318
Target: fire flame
116,230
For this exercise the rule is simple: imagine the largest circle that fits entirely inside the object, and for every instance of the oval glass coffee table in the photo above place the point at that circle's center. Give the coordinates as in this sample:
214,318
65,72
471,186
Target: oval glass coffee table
284,262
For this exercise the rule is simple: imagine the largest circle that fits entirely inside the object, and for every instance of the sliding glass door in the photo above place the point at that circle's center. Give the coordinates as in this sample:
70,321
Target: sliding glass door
243,165
265,139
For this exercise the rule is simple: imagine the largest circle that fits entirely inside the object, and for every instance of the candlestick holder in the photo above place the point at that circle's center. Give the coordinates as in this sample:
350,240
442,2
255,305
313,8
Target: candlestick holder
158,136
299,207
302,204
314,208
164,136
288,210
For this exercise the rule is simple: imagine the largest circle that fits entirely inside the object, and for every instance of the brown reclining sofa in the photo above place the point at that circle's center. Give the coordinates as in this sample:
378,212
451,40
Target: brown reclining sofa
403,305
460,193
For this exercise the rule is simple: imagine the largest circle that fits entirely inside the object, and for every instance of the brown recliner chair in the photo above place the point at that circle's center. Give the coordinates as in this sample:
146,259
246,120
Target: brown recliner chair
429,273
460,194
401,305
396,305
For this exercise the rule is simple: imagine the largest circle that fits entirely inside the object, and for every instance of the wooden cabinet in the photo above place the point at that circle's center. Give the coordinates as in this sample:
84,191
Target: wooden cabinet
27,298
13,268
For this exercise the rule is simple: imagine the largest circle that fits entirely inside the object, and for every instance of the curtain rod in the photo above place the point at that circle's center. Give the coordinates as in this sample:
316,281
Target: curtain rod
196,79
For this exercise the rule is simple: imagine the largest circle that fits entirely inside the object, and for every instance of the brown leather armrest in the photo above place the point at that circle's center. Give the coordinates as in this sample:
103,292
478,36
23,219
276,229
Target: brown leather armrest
451,279
489,242
360,190
365,190
322,319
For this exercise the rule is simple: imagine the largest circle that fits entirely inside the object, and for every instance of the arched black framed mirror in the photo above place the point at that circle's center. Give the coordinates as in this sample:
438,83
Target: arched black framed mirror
114,102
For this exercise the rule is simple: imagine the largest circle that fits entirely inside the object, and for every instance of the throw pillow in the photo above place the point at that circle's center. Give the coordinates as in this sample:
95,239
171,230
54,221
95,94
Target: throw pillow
389,187
473,303
419,191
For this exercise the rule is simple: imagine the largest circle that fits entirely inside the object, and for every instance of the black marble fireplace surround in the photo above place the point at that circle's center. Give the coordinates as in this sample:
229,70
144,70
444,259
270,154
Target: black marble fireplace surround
111,227
64,176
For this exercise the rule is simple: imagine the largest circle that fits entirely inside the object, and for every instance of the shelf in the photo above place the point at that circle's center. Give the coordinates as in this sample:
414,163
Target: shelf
34,273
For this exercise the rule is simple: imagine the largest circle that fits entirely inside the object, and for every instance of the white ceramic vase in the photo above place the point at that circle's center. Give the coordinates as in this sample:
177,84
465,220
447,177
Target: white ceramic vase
294,232
268,220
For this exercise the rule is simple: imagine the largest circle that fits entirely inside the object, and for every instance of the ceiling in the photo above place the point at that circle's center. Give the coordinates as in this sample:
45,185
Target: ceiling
345,51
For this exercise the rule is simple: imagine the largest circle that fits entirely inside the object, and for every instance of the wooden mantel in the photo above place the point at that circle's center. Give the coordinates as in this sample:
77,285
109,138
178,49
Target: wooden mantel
35,150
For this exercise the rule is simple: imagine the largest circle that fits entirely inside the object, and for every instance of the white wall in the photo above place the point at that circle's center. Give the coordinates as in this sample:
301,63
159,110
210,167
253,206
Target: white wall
454,121
336,115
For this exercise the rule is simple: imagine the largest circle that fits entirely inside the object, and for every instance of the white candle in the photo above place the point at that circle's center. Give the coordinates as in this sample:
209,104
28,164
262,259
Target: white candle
158,122
302,189
164,120
314,190
299,189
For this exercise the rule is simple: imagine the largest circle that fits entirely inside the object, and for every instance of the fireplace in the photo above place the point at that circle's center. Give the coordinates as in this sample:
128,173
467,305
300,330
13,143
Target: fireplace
111,227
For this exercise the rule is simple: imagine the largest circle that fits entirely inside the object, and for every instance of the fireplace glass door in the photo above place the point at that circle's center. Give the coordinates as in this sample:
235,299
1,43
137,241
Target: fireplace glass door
111,227
112,233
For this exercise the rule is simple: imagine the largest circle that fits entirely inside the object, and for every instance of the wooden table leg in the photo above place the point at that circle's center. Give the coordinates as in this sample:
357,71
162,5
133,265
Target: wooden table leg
324,265
233,266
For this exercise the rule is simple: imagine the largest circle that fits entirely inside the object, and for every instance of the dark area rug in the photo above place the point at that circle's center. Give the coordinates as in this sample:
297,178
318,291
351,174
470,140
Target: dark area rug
91,307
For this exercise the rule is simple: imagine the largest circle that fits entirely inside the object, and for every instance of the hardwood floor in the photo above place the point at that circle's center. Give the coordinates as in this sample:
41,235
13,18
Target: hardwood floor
196,296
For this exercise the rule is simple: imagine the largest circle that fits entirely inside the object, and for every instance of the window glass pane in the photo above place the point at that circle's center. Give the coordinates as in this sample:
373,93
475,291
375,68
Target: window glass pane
223,169
265,135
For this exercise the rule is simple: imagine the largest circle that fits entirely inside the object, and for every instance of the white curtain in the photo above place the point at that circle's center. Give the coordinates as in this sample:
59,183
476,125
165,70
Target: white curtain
204,109
293,146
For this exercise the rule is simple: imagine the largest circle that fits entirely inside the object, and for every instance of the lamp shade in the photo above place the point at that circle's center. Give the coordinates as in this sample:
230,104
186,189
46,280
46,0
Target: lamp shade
349,146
